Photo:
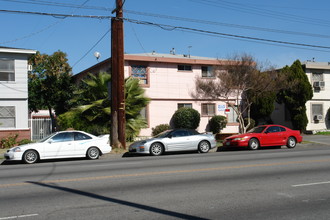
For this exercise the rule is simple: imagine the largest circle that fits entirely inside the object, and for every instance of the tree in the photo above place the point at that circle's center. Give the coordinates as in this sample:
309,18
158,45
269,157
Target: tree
297,92
92,106
50,83
236,82
263,106
186,118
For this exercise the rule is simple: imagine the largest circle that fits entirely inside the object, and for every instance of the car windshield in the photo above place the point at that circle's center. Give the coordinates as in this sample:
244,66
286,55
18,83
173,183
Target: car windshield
257,129
46,138
163,134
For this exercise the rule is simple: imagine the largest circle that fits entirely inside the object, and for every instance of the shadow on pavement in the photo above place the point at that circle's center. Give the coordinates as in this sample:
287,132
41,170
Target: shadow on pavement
118,201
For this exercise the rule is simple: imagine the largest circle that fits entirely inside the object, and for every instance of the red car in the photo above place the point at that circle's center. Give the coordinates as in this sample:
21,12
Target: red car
265,135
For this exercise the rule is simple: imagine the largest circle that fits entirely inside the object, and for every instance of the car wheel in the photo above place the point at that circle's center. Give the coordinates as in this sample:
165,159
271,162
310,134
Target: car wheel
291,143
30,156
93,153
156,149
253,144
204,147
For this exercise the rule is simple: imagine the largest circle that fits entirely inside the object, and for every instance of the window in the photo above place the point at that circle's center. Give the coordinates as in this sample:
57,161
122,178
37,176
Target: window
208,109
207,72
184,105
61,137
7,116
140,72
144,114
7,70
80,136
184,67
180,133
318,81
317,112
232,115
273,129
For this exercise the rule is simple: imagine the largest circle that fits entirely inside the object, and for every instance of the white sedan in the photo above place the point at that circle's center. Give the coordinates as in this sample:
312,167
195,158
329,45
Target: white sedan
63,144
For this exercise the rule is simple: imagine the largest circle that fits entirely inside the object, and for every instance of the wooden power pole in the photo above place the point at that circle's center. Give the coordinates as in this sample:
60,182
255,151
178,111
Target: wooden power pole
117,131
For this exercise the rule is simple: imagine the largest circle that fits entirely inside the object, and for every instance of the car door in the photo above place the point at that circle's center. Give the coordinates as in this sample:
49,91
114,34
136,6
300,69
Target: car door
60,145
272,136
81,142
178,140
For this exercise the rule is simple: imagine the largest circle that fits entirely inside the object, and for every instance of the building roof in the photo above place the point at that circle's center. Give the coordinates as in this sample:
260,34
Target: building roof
316,65
16,50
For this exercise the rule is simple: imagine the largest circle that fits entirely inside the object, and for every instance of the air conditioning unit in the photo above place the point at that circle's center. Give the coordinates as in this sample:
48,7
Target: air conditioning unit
318,117
319,84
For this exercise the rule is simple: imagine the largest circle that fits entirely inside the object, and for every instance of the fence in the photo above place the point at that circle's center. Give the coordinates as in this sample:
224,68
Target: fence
40,128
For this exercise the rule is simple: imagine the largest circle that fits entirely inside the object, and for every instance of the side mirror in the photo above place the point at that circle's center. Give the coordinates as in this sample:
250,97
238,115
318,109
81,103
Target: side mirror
169,136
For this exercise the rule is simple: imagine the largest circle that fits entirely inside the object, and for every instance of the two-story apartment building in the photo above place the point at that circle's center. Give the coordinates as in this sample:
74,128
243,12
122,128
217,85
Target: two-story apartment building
318,74
14,112
169,81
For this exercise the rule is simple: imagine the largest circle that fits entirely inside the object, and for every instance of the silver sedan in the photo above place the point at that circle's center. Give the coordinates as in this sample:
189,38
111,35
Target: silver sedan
174,140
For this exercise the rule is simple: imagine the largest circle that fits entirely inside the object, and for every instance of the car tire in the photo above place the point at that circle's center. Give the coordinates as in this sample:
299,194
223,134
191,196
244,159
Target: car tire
253,144
291,143
93,153
156,149
204,147
30,156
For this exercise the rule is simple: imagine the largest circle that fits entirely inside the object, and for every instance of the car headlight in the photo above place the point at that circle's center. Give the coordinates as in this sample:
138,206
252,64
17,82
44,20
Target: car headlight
239,139
17,149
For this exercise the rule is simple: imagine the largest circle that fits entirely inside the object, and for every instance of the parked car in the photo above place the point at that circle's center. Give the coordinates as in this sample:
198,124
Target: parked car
265,135
174,140
63,144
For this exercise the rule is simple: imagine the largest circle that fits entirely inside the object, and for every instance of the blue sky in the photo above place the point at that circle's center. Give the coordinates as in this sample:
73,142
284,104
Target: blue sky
289,21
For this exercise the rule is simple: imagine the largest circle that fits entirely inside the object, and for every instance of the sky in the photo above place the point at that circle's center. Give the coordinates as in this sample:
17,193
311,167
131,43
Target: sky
273,32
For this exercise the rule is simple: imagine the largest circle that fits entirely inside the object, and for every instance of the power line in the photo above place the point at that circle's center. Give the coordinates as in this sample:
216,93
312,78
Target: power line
171,27
227,24
91,48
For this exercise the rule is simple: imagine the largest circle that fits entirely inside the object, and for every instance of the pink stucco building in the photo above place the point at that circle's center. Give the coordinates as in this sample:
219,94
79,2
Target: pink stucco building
169,80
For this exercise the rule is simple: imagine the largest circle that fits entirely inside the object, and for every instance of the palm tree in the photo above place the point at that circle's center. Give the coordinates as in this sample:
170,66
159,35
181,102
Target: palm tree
92,111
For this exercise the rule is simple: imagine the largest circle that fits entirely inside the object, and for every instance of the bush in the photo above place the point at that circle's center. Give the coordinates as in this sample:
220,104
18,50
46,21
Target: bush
160,128
217,123
186,118
25,141
8,142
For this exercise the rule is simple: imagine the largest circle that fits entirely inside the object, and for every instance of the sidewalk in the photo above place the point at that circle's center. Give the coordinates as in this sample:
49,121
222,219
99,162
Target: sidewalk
319,139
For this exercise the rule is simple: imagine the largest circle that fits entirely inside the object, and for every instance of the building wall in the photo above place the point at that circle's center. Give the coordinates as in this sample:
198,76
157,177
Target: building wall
15,93
167,87
320,96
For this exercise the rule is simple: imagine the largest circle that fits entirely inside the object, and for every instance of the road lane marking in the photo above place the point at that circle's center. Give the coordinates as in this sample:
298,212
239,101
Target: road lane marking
18,216
164,172
311,184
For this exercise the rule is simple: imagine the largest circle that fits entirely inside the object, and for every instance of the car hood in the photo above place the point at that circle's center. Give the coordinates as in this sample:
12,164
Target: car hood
27,146
238,136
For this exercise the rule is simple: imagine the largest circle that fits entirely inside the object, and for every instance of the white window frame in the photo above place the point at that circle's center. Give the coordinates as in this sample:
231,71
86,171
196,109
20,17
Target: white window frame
7,70
208,110
7,116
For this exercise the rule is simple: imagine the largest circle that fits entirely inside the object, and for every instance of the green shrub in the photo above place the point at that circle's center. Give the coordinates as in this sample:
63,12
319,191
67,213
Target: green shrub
217,123
8,142
160,128
25,141
186,118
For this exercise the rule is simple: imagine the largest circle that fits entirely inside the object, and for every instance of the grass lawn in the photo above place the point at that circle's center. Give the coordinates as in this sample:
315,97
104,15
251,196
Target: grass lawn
323,133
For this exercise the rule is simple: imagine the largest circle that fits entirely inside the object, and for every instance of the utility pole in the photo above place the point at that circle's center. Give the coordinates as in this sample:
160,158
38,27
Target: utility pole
117,131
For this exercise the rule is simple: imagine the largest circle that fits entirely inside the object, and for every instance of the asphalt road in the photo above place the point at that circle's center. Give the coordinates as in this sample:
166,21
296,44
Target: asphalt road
264,184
